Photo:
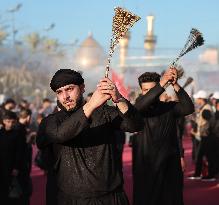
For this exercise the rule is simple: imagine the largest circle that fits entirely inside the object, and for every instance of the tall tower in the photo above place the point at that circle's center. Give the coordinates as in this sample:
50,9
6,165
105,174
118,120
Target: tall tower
150,39
123,49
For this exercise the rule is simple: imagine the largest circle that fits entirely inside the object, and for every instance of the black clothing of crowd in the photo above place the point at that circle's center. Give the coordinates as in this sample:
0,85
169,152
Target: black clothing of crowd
207,147
82,156
15,157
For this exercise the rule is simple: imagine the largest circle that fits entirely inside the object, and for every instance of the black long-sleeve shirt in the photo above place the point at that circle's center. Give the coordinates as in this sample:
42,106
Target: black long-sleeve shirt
86,161
159,137
156,154
183,107
11,153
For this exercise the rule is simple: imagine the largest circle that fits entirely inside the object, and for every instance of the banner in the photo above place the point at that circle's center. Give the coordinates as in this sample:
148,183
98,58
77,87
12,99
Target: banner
119,82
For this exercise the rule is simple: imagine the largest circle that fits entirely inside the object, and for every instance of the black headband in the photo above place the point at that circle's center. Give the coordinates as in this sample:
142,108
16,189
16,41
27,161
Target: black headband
65,77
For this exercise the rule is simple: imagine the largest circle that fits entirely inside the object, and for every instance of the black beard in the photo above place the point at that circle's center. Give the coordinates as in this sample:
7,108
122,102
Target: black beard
78,104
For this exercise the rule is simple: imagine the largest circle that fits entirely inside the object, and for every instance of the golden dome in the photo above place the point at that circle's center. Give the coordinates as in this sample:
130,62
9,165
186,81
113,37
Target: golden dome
89,54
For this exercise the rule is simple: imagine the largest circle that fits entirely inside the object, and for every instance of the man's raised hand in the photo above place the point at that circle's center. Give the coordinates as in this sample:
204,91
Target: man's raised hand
167,77
107,87
97,99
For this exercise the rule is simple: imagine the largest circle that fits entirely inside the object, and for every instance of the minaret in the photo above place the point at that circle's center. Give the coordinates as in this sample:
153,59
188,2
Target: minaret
150,39
123,48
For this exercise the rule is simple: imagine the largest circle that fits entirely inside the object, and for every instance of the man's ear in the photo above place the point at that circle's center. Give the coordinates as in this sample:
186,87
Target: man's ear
82,88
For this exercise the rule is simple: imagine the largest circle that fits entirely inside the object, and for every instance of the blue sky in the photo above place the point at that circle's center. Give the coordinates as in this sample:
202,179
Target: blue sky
74,19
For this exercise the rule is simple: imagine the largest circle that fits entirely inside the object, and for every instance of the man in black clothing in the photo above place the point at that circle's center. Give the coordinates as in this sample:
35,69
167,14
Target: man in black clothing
11,154
201,134
210,144
28,138
83,140
215,140
157,172
9,104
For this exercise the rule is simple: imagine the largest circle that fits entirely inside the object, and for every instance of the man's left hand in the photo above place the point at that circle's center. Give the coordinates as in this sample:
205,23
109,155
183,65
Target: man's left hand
106,86
174,81
175,76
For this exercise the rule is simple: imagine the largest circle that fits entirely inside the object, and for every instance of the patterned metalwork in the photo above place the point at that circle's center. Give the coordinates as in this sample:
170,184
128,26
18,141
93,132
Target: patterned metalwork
194,40
123,20
180,70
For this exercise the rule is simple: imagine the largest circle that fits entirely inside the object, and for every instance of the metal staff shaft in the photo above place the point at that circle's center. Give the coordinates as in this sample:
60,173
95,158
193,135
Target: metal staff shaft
122,21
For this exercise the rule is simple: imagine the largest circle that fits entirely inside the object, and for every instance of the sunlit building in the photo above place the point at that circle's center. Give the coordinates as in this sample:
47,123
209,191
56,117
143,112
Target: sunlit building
201,64
89,54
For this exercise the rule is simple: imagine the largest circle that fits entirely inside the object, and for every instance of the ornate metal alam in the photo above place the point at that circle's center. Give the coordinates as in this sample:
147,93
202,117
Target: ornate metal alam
123,20
194,40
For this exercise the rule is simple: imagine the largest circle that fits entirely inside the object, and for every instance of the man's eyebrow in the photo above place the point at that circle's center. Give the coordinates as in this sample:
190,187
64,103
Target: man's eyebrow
70,86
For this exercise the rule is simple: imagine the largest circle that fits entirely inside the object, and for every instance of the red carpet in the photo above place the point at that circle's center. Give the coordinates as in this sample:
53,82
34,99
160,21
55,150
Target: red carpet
198,192
39,184
195,192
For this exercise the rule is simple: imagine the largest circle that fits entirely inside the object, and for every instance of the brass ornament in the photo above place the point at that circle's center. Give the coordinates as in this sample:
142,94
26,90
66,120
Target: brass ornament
123,20
194,40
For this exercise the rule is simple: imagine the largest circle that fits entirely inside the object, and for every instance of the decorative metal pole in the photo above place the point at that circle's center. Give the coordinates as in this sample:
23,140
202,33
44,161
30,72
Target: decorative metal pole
194,40
122,21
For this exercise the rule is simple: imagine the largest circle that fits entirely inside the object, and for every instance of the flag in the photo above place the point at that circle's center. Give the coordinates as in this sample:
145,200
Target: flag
119,82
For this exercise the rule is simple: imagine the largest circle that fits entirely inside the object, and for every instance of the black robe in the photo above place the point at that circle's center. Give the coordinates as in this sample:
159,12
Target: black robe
11,156
157,173
86,160
24,176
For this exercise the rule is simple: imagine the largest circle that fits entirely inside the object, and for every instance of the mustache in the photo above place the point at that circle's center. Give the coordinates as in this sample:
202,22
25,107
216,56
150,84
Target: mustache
78,102
68,101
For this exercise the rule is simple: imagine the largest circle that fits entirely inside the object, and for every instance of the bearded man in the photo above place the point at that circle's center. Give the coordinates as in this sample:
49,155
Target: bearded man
82,141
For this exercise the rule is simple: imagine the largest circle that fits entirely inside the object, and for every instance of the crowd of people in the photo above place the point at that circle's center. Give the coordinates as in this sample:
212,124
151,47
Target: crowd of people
205,136
81,140
18,129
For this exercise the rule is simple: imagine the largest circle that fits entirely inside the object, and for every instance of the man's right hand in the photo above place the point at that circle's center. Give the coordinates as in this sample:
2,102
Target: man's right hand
97,99
168,76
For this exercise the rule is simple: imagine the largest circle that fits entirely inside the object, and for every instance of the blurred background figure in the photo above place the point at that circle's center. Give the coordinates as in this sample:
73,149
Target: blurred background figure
214,98
24,118
46,107
9,104
11,158
201,133
88,96
24,104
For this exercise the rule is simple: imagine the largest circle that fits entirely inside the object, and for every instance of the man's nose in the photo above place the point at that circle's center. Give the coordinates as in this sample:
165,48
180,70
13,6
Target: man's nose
66,95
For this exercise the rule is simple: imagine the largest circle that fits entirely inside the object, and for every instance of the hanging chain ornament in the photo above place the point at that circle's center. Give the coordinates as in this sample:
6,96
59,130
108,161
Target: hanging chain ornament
122,21
194,40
